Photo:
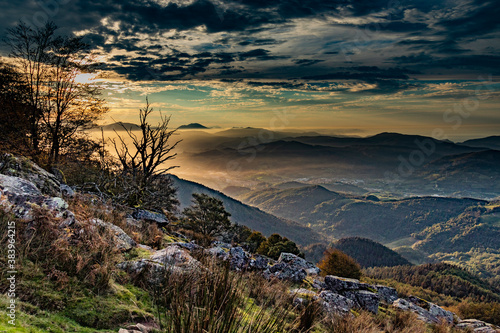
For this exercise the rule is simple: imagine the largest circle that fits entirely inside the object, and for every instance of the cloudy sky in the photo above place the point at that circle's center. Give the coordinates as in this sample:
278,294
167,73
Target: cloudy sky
355,67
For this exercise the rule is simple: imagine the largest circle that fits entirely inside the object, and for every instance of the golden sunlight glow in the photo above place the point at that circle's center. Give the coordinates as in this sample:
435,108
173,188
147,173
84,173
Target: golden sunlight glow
85,78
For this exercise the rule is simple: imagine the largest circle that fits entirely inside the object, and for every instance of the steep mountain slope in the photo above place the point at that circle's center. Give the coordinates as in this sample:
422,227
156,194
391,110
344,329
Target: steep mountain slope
252,217
369,253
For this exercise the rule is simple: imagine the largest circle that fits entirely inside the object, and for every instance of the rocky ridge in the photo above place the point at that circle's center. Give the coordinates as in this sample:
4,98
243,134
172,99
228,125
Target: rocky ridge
26,188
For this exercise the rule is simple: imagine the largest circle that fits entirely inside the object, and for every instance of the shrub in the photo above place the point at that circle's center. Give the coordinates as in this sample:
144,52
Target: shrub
336,262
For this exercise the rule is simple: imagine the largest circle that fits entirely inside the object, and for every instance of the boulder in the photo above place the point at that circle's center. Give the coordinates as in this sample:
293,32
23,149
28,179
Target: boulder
67,191
24,168
387,294
422,314
302,297
239,259
219,252
22,197
298,263
335,304
188,246
433,309
477,326
146,215
175,256
121,240
364,299
259,263
291,267
340,284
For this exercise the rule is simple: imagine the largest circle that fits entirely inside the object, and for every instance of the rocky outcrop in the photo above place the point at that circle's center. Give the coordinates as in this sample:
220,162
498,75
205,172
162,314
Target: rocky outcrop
121,241
291,267
24,168
149,216
22,198
387,294
426,311
336,304
172,258
361,295
477,326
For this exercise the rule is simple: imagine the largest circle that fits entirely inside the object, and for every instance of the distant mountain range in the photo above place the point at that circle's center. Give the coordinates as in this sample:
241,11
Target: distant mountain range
491,142
119,126
419,163
192,126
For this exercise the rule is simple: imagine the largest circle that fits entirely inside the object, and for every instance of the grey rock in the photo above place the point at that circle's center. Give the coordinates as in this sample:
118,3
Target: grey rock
336,304
477,326
141,214
188,246
299,263
219,252
145,247
22,197
283,271
121,240
260,263
433,309
422,314
364,299
239,258
439,312
175,256
291,267
24,168
340,284
387,294
67,191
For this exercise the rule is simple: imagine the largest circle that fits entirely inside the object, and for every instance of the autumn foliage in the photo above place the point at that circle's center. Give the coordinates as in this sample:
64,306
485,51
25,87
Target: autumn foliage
336,262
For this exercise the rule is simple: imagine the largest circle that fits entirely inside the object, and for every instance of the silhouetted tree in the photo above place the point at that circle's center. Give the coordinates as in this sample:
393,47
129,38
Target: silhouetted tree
143,178
59,105
207,216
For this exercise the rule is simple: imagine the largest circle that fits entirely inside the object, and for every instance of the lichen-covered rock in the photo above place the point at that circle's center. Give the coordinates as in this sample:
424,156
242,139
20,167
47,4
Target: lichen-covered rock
67,191
283,271
188,246
22,197
336,304
141,214
24,168
239,259
170,259
340,284
291,267
175,256
422,314
259,263
433,309
121,240
297,262
387,294
477,326
364,299
219,252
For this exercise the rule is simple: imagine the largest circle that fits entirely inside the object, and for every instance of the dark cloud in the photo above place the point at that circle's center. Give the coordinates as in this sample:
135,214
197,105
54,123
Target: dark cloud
306,62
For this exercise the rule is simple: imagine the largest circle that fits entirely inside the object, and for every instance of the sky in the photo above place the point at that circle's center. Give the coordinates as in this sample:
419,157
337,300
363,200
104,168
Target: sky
349,67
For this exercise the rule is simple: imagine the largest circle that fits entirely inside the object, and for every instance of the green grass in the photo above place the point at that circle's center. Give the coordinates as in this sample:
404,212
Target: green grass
31,319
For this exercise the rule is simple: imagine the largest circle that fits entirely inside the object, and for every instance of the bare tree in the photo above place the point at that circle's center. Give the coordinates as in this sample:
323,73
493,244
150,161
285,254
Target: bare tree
143,161
30,48
60,105
70,105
